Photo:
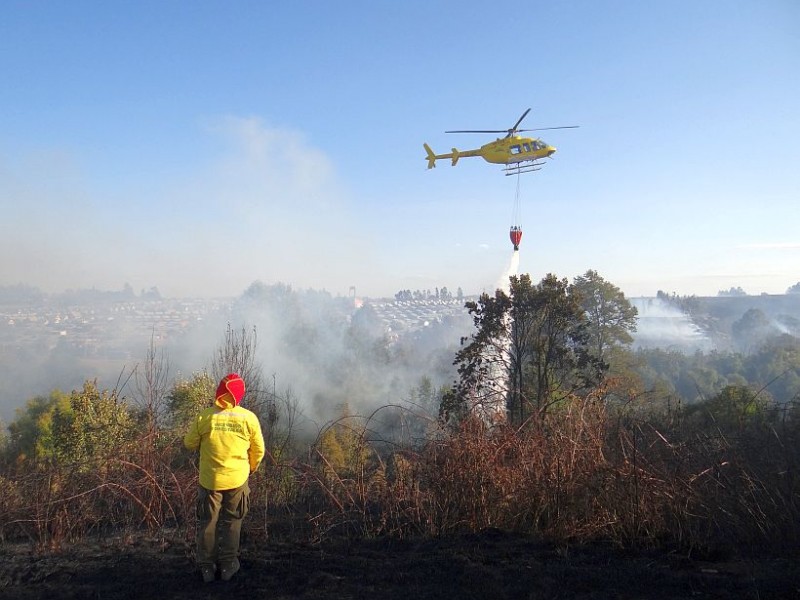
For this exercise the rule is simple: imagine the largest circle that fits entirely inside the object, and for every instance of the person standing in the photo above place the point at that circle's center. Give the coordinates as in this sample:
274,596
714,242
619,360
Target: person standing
231,448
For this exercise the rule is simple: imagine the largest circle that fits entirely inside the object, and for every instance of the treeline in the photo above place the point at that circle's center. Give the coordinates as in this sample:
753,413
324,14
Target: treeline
21,295
443,295
772,370
552,427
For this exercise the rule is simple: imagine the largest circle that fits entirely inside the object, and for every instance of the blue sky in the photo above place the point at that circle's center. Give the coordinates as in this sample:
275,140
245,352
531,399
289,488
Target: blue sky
200,146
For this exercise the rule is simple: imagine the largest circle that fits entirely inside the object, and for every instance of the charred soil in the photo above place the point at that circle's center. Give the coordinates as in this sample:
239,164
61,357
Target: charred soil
488,565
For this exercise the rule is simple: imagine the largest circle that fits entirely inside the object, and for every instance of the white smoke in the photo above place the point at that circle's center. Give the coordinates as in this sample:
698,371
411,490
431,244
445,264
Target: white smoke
660,325
504,282
499,355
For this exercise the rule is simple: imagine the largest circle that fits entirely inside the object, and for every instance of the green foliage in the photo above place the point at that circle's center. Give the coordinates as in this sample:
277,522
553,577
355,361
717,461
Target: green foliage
424,395
611,318
30,435
752,330
453,407
530,348
78,428
96,425
775,367
411,422
731,409
342,448
187,398
550,345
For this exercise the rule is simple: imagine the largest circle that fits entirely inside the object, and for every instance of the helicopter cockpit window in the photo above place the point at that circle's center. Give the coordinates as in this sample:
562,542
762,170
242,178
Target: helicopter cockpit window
515,149
527,147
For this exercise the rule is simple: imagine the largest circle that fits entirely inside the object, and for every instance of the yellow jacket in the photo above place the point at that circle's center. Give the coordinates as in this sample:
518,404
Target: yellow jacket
231,444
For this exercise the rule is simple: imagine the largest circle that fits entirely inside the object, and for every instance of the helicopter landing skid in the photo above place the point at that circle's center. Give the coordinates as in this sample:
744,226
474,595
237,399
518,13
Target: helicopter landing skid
520,168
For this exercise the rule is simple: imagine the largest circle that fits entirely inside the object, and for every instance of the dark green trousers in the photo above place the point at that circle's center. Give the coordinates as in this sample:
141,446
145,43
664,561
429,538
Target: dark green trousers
219,524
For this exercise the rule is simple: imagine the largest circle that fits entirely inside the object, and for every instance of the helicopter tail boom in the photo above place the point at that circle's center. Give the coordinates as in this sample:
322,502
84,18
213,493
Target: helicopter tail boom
454,155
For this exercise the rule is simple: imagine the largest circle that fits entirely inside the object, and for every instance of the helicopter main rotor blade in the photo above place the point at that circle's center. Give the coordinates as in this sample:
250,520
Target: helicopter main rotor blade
514,128
509,131
479,131
545,128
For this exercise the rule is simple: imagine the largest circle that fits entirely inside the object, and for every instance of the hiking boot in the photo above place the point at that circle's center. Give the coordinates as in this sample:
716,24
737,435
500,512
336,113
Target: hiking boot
208,572
229,570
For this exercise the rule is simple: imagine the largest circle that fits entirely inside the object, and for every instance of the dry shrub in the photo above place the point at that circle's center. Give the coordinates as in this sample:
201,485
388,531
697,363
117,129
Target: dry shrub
134,489
337,488
711,487
537,478
582,471
660,479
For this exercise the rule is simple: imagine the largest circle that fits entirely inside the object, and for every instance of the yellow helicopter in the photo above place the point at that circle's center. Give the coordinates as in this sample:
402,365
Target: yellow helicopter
519,154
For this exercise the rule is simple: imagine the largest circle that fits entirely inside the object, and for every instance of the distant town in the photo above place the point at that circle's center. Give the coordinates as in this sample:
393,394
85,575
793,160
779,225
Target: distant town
103,330
117,325
58,341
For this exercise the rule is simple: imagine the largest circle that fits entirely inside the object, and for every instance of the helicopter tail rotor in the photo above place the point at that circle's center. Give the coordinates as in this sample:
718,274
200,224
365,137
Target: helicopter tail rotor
431,156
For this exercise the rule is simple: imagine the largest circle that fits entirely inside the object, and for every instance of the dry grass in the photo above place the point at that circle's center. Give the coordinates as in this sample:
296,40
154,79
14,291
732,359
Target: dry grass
583,472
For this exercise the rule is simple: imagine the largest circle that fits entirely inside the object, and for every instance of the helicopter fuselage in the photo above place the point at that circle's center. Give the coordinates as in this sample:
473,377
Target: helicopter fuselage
503,151
515,149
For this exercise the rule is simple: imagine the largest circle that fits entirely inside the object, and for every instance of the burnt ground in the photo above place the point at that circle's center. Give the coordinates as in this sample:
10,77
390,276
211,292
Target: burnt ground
489,565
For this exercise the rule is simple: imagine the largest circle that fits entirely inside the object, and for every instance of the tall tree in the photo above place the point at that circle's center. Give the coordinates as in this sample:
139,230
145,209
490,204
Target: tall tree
529,348
611,317
483,363
549,344
753,330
